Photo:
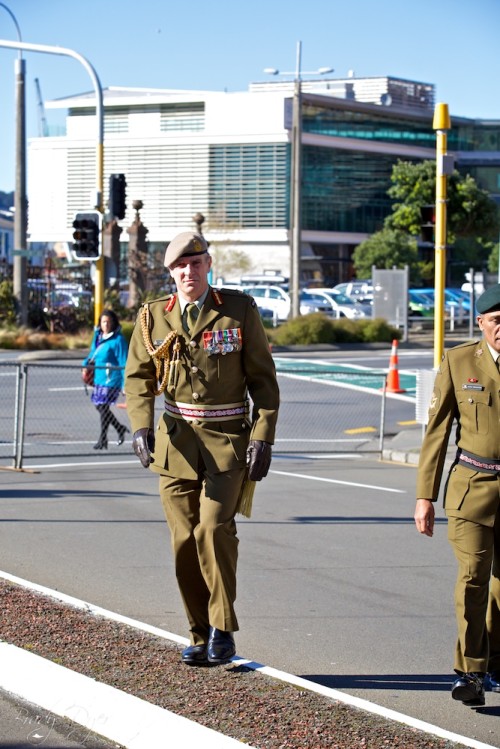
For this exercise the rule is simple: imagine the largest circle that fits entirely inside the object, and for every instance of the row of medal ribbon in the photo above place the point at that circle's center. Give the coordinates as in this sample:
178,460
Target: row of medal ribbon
222,341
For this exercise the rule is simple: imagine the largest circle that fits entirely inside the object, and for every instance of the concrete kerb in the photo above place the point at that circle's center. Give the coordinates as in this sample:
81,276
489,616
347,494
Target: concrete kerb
132,722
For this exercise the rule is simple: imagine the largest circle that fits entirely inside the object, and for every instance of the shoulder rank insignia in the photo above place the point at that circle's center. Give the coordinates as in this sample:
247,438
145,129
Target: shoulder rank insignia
216,296
170,303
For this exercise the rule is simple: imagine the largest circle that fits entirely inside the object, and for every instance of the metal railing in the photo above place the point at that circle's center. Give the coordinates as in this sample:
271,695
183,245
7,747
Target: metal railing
46,412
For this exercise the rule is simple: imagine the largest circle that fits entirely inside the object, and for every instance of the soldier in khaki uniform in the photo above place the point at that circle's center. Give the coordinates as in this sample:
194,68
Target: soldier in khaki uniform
205,351
467,389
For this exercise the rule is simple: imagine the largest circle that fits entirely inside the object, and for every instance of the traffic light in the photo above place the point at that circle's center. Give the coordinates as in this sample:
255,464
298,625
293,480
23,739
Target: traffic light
428,216
117,194
86,235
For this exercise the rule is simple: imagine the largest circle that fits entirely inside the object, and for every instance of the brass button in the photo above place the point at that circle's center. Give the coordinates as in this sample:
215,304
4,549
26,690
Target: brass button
192,344
194,369
195,396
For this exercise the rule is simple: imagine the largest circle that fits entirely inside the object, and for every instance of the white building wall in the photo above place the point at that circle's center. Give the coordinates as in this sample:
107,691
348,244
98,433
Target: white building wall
47,192
168,171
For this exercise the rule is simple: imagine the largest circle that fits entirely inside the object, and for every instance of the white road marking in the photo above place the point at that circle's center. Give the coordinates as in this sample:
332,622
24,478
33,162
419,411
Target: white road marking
336,481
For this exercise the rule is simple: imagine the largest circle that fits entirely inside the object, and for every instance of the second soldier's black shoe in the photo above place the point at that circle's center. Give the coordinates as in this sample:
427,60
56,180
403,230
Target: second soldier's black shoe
469,689
494,681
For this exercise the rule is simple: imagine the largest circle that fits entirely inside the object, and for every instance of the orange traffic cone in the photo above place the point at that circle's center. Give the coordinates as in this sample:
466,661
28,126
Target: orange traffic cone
392,381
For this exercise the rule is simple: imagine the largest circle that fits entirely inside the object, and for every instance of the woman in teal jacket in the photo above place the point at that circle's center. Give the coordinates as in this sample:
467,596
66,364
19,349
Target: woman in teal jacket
108,353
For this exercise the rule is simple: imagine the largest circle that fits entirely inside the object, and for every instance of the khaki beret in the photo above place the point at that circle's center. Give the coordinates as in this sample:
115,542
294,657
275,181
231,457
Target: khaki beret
184,244
489,300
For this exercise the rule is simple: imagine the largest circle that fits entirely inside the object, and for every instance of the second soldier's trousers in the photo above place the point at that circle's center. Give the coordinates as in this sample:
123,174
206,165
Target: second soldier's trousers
200,515
477,594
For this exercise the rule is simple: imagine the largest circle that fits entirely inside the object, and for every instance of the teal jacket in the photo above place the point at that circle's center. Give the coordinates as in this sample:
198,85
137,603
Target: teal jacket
109,356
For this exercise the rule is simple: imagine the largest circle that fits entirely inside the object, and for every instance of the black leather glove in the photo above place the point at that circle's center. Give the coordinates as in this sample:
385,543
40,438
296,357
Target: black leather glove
258,459
143,443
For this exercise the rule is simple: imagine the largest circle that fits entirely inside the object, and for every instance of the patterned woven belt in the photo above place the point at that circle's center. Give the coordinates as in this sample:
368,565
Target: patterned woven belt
195,412
483,465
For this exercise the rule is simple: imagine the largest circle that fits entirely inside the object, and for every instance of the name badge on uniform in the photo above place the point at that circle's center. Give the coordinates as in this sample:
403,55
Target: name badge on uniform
222,341
472,386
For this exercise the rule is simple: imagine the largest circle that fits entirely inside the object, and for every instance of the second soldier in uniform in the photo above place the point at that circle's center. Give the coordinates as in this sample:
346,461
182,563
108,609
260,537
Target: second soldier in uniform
467,392
205,351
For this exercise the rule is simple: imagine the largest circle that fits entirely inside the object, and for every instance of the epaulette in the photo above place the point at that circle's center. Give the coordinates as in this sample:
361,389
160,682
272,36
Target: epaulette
465,344
230,292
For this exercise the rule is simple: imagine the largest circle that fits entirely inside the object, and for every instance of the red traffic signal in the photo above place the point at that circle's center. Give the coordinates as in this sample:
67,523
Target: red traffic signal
86,235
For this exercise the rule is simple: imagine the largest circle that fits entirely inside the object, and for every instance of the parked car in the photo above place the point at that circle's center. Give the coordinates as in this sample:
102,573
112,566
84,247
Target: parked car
420,304
453,304
278,300
266,313
360,291
342,305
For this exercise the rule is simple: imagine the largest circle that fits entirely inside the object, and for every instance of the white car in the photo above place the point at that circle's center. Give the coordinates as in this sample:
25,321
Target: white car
341,305
277,299
360,291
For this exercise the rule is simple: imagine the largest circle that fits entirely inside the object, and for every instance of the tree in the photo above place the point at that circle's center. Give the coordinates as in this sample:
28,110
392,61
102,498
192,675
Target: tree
471,212
227,262
387,249
472,222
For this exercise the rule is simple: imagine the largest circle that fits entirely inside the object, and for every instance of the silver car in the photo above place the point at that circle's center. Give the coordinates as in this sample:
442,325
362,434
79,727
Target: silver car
340,304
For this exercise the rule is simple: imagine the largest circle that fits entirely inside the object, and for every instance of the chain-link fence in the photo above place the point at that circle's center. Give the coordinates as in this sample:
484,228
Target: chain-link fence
46,412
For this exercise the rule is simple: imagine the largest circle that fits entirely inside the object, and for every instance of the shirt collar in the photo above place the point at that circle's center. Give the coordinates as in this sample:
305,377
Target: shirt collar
494,353
199,302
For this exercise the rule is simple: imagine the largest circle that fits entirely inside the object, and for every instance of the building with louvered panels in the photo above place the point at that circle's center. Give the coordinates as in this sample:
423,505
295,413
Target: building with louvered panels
228,156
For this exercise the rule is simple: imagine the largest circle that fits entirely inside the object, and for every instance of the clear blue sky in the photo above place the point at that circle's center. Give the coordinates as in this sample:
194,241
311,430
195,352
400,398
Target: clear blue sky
225,44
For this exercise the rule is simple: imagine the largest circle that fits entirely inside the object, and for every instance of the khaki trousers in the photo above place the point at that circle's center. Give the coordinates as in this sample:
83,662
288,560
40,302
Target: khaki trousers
200,515
477,594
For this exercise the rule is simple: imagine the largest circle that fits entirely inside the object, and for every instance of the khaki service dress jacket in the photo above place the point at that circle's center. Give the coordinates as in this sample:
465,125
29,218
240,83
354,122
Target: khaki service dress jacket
466,389
211,372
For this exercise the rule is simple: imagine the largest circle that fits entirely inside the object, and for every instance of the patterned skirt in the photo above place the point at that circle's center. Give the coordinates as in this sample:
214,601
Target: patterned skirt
102,395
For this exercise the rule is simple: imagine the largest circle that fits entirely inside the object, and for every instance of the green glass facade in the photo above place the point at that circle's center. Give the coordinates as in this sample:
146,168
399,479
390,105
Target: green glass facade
383,126
345,191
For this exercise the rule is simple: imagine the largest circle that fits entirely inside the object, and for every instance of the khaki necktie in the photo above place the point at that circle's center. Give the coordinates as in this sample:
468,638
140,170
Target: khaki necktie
190,316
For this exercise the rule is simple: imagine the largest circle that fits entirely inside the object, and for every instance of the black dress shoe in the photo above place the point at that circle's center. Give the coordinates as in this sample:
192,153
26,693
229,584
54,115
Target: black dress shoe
469,689
195,655
122,431
101,445
494,681
221,647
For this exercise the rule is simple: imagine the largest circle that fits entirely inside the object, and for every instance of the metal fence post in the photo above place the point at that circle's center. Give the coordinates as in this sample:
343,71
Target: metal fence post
382,416
15,440
22,387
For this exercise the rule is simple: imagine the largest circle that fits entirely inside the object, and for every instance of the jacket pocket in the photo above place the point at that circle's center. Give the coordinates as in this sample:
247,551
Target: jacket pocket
475,410
457,487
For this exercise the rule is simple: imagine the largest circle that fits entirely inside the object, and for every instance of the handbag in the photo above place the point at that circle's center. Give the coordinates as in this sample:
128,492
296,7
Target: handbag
88,373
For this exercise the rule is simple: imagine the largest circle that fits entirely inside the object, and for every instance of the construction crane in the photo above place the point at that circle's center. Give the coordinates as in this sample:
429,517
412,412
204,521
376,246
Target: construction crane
43,129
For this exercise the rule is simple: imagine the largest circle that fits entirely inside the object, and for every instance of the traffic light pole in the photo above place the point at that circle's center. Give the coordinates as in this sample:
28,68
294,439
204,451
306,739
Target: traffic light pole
441,123
99,276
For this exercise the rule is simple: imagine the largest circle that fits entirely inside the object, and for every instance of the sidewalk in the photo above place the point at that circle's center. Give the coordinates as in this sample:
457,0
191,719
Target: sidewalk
39,698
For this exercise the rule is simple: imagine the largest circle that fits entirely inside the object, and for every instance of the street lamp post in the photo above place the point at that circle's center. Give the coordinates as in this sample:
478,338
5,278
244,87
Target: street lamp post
99,108
19,258
296,191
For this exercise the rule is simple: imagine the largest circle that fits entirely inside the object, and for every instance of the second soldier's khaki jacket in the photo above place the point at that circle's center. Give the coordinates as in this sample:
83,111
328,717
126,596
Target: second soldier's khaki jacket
466,391
224,360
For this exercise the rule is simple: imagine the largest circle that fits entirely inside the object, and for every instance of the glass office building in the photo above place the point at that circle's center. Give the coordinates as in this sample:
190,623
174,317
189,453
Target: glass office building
228,156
